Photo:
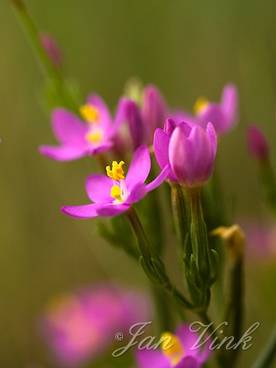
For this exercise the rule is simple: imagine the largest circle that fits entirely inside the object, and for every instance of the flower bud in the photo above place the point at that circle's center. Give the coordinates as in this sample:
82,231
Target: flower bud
131,132
234,238
52,50
134,120
192,152
153,111
257,143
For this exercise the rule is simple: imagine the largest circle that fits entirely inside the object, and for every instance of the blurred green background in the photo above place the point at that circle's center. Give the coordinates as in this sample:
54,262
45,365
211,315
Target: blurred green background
189,49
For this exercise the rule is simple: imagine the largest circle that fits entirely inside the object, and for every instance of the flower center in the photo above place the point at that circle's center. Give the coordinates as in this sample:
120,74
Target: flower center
117,171
172,348
200,105
117,193
90,114
94,136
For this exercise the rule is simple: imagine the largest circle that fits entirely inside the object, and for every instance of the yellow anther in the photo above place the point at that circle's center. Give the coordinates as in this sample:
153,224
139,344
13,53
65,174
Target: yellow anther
200,105
90,113
95,136
117,171
172,348
116,193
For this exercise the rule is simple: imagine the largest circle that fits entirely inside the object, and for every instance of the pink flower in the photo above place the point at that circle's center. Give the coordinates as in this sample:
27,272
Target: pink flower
188,149
114,193
177,352
81,326
92,134
222,115
154,111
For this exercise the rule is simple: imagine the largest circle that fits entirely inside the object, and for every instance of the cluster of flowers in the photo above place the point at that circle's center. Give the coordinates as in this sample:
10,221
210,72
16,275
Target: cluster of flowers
80,327
184,145
185,148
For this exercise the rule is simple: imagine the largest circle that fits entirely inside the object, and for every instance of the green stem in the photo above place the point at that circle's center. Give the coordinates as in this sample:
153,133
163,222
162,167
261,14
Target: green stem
165,321
152,264
235,308
60,90
267,356
269,183
34,37
181,217
199,233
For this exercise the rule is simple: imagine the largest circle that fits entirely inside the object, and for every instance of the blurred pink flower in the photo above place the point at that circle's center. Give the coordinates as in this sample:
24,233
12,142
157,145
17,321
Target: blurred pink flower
257,143
261,239
80,326
223,114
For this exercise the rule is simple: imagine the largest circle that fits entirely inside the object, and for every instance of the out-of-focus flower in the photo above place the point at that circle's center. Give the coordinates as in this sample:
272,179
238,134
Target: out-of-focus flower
257,143
115,193
261,239
177,351
92,134
147,112
81,326
52,49
222,115
189,149
154,111
130,134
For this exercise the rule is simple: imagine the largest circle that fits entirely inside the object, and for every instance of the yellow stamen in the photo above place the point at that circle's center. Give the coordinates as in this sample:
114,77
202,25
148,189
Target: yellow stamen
200,105
116,193
95,136
172,348
117,171
90,113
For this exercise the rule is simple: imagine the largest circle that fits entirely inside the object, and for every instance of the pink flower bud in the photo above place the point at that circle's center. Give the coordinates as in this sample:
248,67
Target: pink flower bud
257,143
51,48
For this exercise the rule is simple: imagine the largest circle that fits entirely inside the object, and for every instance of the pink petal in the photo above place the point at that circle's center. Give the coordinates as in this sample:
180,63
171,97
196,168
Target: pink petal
210,130
152,359
110,210
98,188
214,114
137,193
188,362
161,147
67,127
159,179
103,147
62,153
84,211
98,102
188,339
229,102
139,168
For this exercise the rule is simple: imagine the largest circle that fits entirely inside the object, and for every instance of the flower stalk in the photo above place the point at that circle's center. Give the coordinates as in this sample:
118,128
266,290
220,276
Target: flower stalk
235,242
201,260
34,38
268,180
152,264
180,216
58,91
268,354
